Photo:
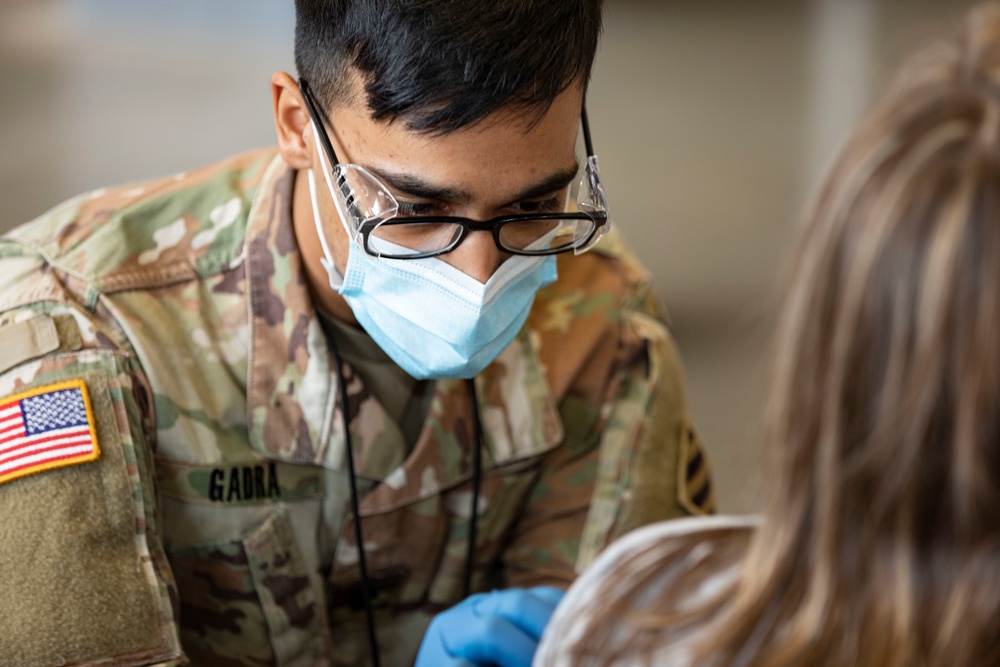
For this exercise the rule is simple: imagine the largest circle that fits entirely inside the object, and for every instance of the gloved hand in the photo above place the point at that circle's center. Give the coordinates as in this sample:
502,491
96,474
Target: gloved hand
499,628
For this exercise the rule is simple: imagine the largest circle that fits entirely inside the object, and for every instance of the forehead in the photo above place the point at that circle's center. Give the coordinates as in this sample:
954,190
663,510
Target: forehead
506,150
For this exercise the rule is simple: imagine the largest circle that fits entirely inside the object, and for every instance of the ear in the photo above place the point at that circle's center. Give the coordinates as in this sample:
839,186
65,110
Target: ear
290,121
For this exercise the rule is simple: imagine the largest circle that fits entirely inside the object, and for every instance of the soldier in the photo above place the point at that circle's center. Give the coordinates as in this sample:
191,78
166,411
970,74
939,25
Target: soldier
285,409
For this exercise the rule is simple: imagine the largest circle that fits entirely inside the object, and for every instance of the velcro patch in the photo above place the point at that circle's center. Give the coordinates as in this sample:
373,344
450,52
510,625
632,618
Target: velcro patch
45,428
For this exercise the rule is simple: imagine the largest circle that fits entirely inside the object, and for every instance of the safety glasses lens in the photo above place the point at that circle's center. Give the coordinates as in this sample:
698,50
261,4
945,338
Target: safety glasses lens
365,199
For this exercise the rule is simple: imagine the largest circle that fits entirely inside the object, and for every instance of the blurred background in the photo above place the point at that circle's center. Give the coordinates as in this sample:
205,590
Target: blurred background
713,120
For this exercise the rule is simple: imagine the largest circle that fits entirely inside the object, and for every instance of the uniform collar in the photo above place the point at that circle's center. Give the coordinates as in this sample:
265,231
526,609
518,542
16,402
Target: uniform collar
292,388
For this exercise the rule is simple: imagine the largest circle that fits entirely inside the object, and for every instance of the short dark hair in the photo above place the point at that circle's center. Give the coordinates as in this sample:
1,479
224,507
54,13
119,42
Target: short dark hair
440,65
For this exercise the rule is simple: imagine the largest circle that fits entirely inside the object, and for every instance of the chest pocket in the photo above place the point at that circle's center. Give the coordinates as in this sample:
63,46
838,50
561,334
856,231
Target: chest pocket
249,601
247,595
82,576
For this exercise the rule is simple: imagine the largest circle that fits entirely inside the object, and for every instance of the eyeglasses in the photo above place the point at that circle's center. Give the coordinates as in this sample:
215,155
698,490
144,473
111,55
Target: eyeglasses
378,226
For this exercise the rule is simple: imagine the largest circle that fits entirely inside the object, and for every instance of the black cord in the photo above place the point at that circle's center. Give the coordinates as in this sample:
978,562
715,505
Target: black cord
477,474
362,565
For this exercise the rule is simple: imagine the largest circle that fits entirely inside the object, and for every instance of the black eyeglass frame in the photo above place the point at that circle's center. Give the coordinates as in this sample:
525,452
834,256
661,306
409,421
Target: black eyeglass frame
598,218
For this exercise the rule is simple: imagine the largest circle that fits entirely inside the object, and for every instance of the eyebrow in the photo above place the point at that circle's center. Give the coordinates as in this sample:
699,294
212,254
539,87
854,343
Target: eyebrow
415,187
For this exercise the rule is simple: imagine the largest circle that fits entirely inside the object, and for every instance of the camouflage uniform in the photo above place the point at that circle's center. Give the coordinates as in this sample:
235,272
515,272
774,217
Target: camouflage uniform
182,304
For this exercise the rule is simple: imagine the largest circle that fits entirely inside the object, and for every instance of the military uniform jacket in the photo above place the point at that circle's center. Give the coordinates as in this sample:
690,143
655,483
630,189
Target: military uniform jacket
172,464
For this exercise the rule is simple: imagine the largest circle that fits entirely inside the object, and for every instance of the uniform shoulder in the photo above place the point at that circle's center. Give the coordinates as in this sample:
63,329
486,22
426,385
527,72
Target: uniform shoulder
147,231
602,300
602,282
611,266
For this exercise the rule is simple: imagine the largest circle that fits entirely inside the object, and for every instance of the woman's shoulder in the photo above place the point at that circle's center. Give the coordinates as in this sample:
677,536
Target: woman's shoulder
657,555
664,532
672,547
664,542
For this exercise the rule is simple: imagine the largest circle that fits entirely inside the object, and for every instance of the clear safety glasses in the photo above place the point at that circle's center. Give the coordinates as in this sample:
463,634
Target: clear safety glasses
378,227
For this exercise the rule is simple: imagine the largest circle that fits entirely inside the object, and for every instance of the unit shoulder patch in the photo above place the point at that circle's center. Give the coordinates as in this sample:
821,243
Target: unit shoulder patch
46,428
694,479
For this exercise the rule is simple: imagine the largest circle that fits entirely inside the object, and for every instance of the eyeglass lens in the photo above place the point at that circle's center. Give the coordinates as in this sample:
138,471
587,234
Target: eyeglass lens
401,238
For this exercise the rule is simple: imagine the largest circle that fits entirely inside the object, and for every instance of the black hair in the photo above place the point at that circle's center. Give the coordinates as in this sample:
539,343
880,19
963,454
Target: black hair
440,65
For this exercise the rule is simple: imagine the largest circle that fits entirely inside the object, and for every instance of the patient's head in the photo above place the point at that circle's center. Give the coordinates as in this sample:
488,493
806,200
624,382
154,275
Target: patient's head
884,430
880,538
886,406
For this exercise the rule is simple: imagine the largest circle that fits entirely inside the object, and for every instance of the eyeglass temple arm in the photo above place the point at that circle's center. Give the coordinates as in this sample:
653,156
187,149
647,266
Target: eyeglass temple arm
586,131
318,118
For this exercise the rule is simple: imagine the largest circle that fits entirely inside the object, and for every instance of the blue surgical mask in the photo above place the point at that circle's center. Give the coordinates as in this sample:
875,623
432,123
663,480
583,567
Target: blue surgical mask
429,317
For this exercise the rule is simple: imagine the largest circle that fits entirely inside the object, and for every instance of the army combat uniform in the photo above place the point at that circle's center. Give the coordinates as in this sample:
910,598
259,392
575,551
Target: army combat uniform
172,457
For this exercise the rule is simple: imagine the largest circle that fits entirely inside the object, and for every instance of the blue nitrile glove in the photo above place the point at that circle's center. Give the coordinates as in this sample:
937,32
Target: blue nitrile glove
499,628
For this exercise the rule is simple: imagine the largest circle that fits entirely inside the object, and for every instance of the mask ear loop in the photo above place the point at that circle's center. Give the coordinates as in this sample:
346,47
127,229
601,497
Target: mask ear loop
332,274
334,277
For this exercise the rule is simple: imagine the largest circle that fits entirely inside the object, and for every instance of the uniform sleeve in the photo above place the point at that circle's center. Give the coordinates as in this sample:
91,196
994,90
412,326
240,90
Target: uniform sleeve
632,461
83,579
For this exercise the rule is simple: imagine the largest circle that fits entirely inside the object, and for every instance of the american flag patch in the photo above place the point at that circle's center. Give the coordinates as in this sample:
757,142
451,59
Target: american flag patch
45,428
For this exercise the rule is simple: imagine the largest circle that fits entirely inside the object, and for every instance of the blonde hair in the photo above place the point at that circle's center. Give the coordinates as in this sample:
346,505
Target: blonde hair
880,537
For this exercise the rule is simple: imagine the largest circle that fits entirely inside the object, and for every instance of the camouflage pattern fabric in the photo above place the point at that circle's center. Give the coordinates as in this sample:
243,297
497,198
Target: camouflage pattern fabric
196,281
